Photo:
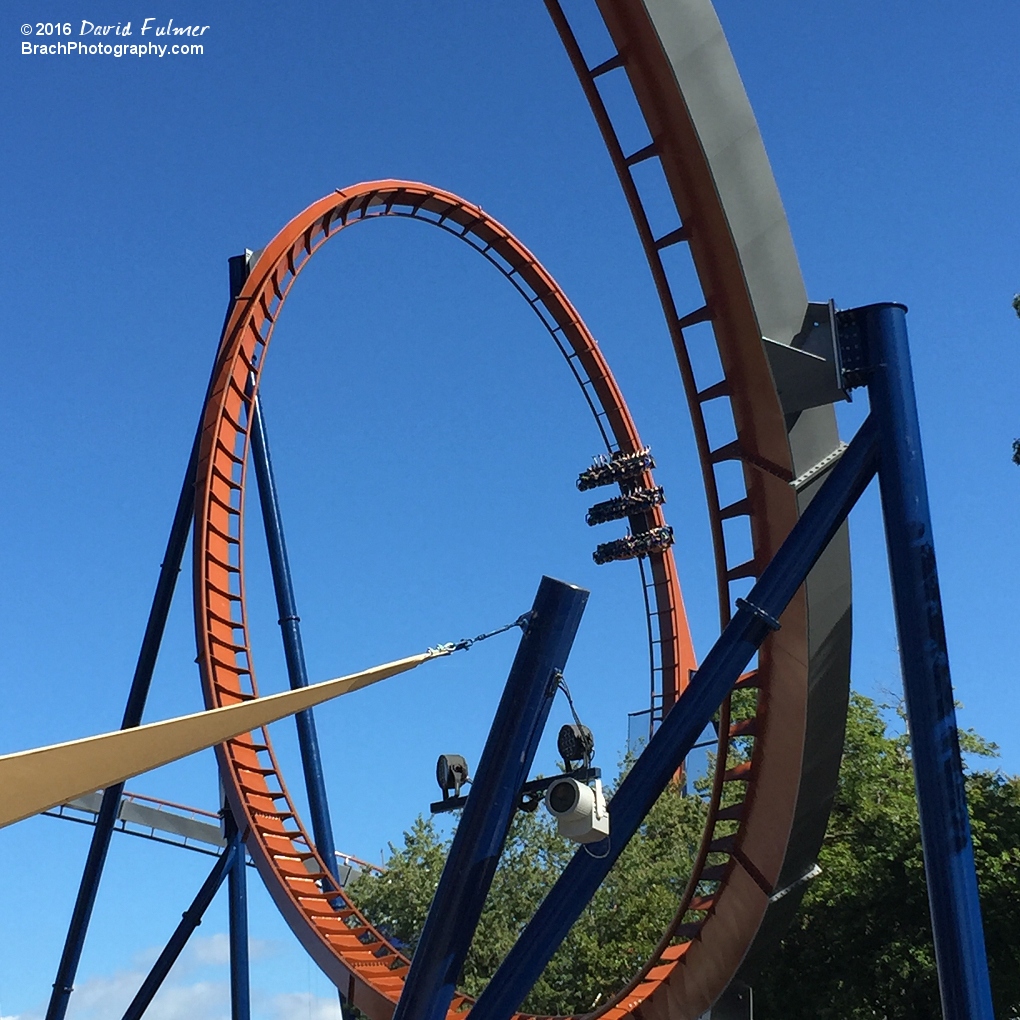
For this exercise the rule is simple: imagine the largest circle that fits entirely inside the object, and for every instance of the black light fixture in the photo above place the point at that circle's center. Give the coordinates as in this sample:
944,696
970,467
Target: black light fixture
451,774
575,744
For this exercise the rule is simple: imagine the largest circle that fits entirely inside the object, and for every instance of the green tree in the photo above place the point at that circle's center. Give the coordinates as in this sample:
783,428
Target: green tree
859,948
861,945
613,938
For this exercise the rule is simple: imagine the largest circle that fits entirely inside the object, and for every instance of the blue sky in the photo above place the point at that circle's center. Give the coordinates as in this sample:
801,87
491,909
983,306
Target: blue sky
426,436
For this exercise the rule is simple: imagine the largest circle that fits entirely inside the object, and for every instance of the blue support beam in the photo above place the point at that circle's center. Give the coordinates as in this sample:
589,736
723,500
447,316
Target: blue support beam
140,682
191,919
74,943
754,618
290,627
237,895
504,766
931,716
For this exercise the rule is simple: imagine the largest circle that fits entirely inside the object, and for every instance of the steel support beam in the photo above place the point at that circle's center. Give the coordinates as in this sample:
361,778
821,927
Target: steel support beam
754,618
133,711
290,628
504,766
931,716
191,919
140,682
237,894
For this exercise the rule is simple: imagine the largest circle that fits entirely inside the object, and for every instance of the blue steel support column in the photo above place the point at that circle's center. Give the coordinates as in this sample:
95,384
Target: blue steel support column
290,626
237,894
107,816
503,769
931,717
191,919
139,692
678,732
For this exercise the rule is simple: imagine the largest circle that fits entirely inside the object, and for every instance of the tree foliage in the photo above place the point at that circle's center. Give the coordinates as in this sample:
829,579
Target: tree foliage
612,939
859,948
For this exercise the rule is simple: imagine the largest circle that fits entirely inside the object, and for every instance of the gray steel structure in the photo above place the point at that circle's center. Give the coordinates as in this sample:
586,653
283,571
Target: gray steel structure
781,375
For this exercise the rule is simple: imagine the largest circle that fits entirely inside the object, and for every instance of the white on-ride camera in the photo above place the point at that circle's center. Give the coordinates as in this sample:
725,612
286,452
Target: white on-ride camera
580,810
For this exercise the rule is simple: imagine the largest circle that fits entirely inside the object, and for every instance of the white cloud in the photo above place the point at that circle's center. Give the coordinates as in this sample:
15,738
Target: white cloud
108,996
210,951
99,998
206,1000
214,950
181,997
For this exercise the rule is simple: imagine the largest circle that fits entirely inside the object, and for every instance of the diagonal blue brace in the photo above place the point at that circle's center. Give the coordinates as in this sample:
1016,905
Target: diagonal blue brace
190,920
504,766
754,618
107,817
88,889
290,629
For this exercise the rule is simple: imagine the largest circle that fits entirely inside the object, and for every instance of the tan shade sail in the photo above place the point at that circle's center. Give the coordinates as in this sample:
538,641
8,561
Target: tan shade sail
33,781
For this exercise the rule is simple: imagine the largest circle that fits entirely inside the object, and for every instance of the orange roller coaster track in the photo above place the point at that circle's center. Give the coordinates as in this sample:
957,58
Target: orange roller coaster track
739,861
354,954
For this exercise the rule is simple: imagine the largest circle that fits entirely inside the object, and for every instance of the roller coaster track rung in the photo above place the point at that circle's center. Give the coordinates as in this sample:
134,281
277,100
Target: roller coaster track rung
672,953
715,391
741,508
223,593
738,774
233,695
680,234
256,791
276,795
238,427
749,568
224,505
297,855
714,872
250,746
702,314
226,536
227,479
649,151
731,451
232,624
222,448
702,903
611,64
223,643
243,394
744,728
730,813
722,845
231,567
747,680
